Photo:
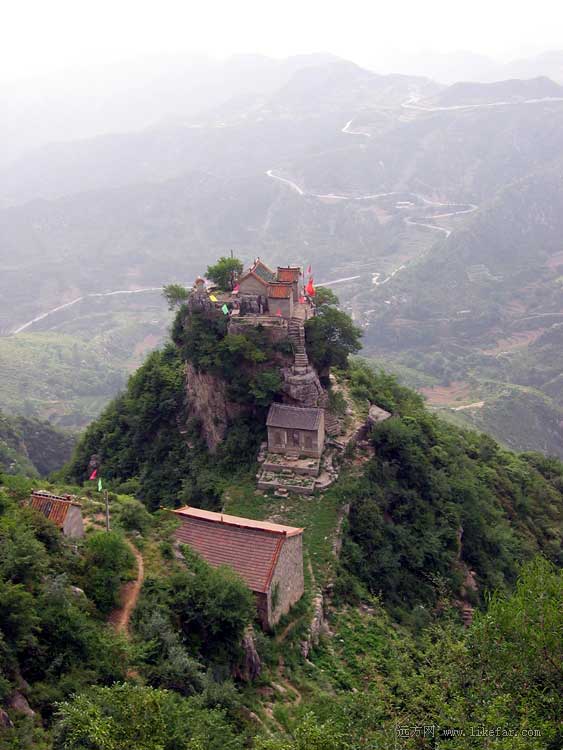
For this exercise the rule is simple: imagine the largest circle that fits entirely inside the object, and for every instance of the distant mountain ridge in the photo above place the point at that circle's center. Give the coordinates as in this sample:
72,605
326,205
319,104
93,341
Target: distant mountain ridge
515,90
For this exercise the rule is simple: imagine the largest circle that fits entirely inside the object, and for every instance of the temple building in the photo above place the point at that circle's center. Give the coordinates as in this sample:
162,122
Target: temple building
294,430
255,280
280,300
61,510
267,556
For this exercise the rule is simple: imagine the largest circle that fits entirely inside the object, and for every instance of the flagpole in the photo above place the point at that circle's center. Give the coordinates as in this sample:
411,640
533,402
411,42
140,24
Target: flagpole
106,497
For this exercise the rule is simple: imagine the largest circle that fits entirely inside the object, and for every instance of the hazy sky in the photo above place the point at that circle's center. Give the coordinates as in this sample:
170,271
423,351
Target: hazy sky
39,36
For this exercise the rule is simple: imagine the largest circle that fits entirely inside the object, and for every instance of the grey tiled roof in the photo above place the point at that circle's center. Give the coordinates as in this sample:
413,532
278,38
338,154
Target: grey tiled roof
262,270
293,417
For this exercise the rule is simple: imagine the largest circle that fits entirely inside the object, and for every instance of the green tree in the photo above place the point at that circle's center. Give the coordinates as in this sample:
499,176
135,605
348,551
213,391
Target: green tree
107,561
331,335
127,716
175,295
225,272
213,606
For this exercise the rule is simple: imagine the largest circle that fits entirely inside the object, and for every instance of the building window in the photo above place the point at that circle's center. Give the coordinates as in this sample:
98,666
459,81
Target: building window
278,438
308,442
296,438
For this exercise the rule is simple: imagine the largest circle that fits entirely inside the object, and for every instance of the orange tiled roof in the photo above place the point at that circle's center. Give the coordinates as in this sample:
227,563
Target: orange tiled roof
279,291
53,507
288,274
250,547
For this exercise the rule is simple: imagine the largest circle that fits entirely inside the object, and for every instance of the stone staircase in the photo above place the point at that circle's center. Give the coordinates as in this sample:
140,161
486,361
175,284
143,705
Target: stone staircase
296,334
332,424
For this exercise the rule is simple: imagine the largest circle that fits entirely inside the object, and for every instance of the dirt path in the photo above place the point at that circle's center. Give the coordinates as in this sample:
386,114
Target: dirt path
119,618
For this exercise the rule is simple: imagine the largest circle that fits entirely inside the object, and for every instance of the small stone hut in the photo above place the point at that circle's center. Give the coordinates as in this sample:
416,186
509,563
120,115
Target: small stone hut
267,556
280,300
63,511
295,430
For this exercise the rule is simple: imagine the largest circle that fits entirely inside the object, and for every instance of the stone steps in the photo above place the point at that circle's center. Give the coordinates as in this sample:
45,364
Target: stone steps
332,425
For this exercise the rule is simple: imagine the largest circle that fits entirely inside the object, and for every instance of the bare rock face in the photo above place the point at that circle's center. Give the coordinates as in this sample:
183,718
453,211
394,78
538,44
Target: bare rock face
252,664
19,703
302,389
317,627
208,402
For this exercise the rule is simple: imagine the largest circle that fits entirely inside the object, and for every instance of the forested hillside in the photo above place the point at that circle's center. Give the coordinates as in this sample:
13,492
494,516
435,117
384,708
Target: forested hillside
32,447
439,519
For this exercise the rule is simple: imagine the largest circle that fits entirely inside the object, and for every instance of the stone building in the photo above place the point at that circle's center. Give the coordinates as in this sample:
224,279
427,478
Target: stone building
61,510
294,430
267,556
280,300
255,280
291,275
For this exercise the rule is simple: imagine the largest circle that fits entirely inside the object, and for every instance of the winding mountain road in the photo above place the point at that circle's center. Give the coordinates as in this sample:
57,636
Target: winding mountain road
421,221
411,103
90,295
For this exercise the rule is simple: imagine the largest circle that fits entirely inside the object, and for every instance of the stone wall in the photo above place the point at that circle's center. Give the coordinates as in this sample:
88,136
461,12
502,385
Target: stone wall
73,526
288,583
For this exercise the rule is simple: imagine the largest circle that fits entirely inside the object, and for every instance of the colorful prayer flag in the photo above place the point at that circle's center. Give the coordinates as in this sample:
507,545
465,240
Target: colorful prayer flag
309,270
279,313
225,310
93,475
100,484
310,288
213,298
236,289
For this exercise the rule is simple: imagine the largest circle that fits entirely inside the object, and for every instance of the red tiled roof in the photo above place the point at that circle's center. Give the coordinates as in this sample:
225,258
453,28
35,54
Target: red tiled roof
288,274
250,547
279,291
53,507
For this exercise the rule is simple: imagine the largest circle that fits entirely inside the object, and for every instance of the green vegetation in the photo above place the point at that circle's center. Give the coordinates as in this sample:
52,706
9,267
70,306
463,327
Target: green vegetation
32,447
107,560
224,273
131,716
331,336
432,519
436,502
175,295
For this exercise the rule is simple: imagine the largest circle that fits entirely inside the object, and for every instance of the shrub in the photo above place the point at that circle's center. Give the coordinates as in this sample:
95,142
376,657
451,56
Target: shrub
107,562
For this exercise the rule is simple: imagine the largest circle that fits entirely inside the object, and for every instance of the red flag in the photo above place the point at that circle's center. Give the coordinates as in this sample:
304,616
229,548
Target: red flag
302,300
310,289
236,288
279,313
94,474
309,270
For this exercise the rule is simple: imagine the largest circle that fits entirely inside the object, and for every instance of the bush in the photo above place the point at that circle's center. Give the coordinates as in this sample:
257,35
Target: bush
133,516
107,562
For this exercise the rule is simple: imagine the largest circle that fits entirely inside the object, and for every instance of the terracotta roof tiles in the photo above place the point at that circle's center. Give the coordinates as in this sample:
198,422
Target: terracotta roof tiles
288,274
279,291
53,507
250,547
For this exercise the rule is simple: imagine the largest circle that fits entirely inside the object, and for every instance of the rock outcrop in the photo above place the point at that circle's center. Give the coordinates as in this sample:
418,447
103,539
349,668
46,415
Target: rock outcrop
302,389
207,401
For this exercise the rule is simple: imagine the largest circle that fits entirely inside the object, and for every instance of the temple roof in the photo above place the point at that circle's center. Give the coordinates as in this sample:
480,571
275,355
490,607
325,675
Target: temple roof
53,507
294,417
262,271
250,547
279,291
289,274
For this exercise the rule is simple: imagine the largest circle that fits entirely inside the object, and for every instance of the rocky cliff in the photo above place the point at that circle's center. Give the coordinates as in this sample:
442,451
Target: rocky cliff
207,401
